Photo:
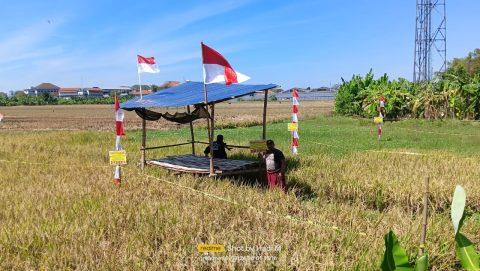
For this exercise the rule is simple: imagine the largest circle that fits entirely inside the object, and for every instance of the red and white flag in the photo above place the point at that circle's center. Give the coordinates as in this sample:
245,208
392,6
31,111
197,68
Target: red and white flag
216,68
147,64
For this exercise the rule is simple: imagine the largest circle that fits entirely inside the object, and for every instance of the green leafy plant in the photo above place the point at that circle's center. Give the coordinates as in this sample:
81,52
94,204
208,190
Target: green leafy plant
465,249
395,257
454,93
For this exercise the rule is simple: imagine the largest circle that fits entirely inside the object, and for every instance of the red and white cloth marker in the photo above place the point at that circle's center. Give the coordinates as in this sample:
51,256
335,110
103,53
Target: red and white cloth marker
119,115
382,102
381,113
216,68
295,105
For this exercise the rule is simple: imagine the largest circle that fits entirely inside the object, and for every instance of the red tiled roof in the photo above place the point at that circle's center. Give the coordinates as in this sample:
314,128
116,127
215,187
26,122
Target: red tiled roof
170,84
47,86
69,90
137,92
95,90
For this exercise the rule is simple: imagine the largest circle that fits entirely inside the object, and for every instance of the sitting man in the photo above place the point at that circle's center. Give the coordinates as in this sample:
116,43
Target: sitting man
218,148
275,164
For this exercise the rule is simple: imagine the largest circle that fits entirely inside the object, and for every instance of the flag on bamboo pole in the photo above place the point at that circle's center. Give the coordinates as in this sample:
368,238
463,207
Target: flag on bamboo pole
216,68
147,64
119,131
295,105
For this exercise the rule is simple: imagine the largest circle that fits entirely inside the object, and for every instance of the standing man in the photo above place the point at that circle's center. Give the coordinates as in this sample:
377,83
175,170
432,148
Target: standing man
275,165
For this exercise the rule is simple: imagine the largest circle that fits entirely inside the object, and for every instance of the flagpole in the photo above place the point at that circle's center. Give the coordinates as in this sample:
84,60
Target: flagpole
139,82
209,125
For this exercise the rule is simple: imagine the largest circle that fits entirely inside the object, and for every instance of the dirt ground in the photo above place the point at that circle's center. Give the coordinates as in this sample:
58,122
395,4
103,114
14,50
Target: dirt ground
101,117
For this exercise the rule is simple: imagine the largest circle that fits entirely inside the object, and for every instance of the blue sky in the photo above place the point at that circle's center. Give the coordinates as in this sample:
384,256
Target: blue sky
291,43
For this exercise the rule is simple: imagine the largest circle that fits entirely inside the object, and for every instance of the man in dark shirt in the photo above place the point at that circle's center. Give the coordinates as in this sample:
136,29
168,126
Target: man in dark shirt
275,165
218,148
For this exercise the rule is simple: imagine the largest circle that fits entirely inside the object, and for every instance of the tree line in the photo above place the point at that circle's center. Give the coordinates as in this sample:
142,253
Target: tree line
47,99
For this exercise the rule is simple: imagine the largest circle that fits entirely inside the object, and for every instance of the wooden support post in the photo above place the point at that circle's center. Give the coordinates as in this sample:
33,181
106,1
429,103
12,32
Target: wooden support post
144,141
425,216
265,101
208,128
192,135
211,134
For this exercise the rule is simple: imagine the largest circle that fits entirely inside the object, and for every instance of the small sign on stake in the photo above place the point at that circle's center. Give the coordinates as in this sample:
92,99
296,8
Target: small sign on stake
117,157
293,126
378,120
258,146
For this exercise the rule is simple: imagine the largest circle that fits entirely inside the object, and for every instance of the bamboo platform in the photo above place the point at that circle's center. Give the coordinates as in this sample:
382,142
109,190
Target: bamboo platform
201,165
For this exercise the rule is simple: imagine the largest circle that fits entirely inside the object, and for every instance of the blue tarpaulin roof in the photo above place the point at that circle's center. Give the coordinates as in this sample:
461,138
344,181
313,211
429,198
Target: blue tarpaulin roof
191,93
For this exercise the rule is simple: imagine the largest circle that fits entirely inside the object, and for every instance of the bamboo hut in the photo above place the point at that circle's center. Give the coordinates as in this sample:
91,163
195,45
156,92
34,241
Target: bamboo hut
193,96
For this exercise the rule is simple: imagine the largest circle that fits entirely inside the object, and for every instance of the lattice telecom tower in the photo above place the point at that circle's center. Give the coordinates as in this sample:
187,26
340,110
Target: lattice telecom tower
430,38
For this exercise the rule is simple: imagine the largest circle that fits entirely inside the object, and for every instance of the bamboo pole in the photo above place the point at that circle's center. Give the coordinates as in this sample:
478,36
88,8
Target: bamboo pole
167,146
425,216
210,119
192,135
212,128
265,101
144,141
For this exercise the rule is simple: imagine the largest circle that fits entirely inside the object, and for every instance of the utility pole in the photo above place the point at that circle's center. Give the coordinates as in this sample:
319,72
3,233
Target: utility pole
430,39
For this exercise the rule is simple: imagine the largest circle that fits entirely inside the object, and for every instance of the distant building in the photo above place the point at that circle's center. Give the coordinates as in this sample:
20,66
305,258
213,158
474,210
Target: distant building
137,92
94,92
43,88
169,84
70,92
120,91
318,94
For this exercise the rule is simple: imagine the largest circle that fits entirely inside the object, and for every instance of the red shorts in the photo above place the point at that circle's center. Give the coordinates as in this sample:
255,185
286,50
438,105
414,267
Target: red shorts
275,180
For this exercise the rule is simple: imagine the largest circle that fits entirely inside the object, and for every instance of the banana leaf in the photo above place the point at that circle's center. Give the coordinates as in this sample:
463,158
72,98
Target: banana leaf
466,253
458,206
395,257
422,263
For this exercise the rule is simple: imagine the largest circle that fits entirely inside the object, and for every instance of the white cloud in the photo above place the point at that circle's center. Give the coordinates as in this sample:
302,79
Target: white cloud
27,43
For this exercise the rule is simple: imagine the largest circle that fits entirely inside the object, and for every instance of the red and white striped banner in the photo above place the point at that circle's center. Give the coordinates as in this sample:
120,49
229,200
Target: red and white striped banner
119,115
381,113
295,120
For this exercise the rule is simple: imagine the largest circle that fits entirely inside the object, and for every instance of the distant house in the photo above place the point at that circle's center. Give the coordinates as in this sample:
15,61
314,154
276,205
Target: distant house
319,94
70,92
120,91
137,92
169,84
43,88
94,92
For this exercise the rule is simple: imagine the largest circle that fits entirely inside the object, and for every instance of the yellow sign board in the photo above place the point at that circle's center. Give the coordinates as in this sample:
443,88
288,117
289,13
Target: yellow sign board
118,157
214,248
258,145
292,126
378,120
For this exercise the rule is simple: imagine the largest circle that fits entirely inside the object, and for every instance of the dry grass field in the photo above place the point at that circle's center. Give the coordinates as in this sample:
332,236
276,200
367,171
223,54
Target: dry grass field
59,209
